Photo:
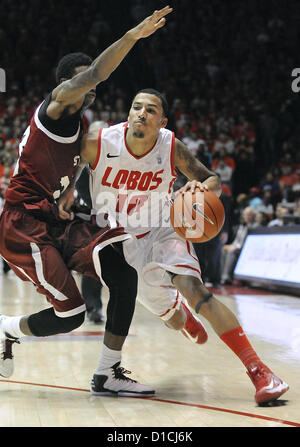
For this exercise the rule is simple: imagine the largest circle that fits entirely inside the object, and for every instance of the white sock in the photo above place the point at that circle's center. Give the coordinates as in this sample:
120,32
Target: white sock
107,359
11,325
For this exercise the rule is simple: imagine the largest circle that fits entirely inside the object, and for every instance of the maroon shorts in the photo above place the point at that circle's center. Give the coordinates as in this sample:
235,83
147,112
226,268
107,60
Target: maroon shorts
45,253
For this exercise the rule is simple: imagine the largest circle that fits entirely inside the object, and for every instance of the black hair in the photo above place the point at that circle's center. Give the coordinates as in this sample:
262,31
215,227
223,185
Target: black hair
68,63
164,102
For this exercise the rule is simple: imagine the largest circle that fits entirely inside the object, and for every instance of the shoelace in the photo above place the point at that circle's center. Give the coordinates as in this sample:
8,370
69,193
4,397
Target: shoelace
119,374
7,352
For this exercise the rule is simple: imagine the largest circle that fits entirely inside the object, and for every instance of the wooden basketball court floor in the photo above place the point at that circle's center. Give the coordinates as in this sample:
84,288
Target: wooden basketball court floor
196,385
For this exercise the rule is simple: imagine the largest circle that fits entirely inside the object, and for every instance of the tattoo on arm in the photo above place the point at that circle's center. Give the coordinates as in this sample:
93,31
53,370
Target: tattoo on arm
185,161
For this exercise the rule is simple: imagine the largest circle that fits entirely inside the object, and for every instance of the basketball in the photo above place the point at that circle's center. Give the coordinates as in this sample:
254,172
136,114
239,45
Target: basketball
197,216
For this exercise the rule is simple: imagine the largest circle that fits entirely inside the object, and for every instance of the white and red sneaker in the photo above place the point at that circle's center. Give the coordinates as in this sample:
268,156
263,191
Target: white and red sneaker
193,329
268,386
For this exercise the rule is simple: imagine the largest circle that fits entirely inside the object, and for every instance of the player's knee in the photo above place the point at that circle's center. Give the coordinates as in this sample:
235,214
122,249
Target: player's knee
130,279
125,288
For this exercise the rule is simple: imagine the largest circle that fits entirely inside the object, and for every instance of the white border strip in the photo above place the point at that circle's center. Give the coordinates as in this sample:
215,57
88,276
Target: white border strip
64,140
36,254
100,246
20,269
70,313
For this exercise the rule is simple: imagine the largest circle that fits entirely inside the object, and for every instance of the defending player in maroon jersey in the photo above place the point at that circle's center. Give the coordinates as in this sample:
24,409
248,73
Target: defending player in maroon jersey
38,185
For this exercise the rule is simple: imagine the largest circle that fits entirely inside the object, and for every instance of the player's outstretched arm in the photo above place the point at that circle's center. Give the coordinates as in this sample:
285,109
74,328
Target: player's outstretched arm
198,174
72,90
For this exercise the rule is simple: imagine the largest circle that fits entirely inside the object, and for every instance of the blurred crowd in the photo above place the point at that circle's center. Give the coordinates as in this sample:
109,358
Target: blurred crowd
224,67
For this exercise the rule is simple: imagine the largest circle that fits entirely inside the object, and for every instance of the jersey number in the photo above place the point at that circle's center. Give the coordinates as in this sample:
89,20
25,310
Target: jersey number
64,181
134,204
21,148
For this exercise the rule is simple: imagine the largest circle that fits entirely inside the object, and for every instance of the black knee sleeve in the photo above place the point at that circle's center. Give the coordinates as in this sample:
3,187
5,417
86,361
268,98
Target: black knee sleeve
46,322
121,279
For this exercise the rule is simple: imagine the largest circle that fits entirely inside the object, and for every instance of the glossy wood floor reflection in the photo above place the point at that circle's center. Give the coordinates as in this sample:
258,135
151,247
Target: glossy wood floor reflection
197,386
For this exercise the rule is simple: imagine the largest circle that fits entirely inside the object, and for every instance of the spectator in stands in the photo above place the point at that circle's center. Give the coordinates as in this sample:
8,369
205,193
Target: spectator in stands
281,211
224,171
231,251
204,155
193,141
262,219
255,200
269,183
222,155
224,141
244,174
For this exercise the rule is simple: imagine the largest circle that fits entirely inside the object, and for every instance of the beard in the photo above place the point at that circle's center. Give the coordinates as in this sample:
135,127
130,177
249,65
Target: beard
138,134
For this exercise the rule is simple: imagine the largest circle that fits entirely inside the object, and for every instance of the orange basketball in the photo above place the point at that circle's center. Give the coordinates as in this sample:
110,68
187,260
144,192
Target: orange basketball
197,216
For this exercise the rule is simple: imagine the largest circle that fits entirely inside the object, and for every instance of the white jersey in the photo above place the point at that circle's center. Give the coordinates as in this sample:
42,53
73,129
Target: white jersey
134,191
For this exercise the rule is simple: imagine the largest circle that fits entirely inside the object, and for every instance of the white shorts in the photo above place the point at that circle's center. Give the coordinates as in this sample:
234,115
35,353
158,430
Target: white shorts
153,256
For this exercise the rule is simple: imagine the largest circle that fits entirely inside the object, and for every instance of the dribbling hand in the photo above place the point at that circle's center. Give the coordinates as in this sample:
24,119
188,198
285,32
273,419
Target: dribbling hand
191,186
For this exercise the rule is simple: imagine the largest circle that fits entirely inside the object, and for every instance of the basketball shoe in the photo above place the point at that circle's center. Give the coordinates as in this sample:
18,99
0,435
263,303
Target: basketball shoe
268,386
193,329
114,382
6,355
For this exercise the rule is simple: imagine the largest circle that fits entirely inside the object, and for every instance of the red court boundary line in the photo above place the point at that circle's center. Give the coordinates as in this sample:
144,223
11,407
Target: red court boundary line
205,407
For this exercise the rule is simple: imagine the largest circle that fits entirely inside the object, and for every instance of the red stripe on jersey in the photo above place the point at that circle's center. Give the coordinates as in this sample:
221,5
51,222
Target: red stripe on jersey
171,184
189,252
188,267
172,155
98,150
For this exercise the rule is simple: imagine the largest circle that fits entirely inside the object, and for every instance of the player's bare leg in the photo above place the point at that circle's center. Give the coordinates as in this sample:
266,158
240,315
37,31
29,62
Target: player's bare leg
190,326
268,386
219,316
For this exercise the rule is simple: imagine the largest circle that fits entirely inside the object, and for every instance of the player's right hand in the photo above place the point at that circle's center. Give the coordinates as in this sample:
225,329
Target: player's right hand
151,23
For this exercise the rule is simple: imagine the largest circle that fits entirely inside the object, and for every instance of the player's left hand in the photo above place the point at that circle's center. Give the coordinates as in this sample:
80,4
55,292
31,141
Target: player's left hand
191,186
152,23
65,203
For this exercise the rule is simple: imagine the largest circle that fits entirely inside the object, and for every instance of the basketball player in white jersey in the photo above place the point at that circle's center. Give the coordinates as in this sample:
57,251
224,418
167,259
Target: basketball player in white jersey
133,166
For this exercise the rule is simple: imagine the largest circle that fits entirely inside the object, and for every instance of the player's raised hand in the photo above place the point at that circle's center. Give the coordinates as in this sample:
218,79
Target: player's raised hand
151,23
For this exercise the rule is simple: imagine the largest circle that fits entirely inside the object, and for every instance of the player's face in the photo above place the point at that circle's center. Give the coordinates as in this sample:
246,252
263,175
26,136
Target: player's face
146,116
91,95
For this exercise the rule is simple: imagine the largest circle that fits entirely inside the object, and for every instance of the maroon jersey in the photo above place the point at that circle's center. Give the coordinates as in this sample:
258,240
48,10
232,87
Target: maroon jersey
46,161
